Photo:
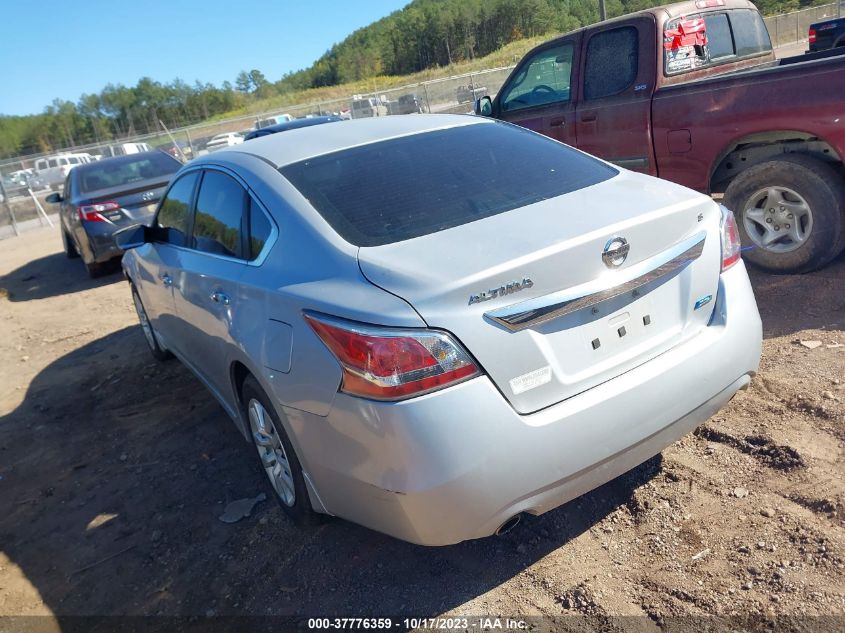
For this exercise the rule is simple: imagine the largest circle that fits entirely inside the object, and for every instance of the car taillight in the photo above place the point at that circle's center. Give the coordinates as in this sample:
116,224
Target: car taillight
91,212
392,363
730,239
812,36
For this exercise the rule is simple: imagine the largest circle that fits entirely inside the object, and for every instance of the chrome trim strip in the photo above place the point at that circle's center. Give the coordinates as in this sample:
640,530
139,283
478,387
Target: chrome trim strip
520,316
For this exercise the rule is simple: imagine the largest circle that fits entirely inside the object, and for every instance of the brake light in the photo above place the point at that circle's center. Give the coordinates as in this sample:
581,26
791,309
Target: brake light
812,36
92,212
392,363
731,246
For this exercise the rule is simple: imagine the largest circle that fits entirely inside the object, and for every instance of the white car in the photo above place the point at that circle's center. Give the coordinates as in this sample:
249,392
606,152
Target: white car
222,141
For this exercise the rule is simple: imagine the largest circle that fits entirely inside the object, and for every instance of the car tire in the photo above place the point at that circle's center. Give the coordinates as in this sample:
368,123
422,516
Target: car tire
70,249
275,451
776,192
158,351
96,270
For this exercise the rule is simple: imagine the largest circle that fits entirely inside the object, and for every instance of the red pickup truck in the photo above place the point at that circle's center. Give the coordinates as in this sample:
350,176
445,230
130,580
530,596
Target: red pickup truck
692,92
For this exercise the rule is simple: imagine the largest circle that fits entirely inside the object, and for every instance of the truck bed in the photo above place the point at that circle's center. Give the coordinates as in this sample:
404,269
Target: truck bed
804,91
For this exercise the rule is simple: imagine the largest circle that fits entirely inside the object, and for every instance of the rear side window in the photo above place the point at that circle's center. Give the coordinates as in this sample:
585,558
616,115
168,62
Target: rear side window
53,162
260,230
612,62
750,33
415,185
219,216
175,210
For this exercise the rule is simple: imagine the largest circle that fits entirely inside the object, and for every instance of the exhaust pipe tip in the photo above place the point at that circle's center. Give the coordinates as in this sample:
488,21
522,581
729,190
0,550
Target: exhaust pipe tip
508,525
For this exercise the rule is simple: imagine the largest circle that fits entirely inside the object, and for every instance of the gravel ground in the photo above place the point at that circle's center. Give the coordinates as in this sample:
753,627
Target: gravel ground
114,469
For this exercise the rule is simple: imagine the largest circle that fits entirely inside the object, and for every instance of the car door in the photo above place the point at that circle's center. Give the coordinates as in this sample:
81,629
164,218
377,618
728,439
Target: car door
160,260
205,292
614,110
539,94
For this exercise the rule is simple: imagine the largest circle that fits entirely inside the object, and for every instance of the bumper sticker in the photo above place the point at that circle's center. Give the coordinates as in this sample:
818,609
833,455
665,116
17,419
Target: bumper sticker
531,380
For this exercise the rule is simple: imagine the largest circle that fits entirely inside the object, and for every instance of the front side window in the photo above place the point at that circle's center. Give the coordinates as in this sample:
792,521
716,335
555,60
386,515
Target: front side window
612,62
174,213
219,216
542,80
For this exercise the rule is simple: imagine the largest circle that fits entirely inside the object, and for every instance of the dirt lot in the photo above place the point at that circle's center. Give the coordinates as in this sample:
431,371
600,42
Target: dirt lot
114,469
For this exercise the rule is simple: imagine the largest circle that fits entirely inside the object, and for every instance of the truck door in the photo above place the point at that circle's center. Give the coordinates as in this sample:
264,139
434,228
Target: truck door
539,94
614,111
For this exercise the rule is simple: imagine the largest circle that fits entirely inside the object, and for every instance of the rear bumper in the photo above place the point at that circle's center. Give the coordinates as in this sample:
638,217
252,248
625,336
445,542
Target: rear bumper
101,241
456,464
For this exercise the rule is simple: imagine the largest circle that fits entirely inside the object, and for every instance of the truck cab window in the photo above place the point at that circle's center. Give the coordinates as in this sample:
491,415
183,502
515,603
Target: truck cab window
612,62
543,79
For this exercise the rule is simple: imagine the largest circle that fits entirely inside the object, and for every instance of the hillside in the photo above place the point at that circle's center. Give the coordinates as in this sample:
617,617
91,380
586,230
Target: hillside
425,39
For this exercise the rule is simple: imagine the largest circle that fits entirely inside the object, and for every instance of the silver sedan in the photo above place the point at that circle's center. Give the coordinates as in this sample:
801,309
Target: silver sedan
432,325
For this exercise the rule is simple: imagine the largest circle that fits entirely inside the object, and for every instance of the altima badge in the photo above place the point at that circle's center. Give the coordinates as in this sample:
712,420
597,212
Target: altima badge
501,291
615,252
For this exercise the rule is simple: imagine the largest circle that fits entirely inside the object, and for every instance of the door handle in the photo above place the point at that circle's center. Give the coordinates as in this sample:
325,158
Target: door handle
557,122
220,297
586,118
167,280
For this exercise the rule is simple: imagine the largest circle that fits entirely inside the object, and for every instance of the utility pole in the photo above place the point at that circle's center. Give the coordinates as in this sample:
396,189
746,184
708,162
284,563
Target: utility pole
602,11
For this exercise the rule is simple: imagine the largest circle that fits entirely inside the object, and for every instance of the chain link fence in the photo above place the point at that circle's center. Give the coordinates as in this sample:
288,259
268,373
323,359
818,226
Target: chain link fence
26,181
792,27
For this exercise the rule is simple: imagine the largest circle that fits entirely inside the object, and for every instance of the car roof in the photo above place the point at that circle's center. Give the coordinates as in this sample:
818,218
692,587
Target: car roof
316,140
291,125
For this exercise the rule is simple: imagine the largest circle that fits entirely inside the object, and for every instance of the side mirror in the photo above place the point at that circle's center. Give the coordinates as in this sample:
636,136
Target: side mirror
132,236
484,106
54,198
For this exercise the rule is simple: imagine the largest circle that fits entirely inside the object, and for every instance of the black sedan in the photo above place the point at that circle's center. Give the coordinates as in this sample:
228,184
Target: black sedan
291,125
101,197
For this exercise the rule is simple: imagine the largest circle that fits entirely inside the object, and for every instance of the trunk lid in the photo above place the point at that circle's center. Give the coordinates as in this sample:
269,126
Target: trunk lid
137,200
473,279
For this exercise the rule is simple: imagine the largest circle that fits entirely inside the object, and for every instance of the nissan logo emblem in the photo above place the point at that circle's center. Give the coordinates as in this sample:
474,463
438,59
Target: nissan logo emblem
615,252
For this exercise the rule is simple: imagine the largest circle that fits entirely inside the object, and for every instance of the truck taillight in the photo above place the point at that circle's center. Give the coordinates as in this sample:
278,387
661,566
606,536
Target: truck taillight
92,212
731,246
383,363
812,36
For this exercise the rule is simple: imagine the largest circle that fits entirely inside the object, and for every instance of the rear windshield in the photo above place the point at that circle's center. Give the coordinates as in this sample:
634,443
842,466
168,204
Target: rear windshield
124,170
407,187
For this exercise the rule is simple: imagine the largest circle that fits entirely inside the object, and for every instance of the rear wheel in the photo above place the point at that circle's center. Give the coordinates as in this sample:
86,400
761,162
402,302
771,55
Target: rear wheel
791,211
276,455
158,351
70,249
96,270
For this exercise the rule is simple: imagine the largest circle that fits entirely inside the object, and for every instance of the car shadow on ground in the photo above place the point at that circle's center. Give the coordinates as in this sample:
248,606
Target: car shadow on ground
116,512
52,276
791,303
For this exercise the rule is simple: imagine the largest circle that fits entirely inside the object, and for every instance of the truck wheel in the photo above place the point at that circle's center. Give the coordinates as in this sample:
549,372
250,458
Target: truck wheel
70,249
791,212
276,455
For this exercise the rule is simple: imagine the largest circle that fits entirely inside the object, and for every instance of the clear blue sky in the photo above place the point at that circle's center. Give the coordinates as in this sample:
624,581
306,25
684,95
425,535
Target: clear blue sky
66,48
